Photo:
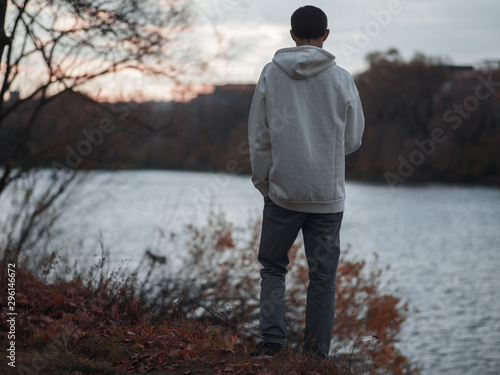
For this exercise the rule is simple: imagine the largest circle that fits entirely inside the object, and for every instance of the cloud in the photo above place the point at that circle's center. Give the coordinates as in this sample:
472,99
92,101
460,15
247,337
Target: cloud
244,34
463,31
252,31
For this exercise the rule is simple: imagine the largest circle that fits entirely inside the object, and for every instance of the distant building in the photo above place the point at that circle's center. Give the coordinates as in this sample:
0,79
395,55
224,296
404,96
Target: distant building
229,89
488,65
481,65
456,69
14,96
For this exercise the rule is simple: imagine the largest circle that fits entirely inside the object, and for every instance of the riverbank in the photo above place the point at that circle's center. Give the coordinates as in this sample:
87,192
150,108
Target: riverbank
68,327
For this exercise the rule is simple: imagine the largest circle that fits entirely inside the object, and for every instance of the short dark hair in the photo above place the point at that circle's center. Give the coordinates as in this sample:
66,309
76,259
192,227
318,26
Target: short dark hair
309,22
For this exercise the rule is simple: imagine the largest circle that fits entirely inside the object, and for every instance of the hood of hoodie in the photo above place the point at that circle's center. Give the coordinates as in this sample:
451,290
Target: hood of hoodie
304,61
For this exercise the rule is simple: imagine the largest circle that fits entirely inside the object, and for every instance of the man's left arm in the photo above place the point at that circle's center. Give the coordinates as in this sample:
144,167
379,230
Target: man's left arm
260,142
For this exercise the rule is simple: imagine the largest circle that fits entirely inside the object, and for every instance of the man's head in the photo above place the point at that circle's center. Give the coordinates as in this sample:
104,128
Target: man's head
309,26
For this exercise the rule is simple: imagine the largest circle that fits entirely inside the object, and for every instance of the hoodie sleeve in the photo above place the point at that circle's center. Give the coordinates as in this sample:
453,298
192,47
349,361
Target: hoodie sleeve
260,142
355,125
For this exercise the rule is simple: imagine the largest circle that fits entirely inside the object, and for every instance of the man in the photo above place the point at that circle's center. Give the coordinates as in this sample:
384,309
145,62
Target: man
305,116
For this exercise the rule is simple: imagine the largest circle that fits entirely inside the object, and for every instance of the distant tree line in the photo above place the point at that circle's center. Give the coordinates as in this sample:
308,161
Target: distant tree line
428,121
425,121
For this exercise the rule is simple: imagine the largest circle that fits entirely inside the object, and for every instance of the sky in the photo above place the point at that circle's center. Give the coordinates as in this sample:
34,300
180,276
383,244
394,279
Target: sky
457,31
461,32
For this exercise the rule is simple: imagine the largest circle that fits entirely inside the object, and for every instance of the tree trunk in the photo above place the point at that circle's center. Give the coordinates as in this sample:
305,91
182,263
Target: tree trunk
4,39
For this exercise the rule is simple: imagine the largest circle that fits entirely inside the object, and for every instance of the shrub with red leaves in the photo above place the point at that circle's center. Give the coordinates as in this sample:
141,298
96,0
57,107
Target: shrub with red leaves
221,281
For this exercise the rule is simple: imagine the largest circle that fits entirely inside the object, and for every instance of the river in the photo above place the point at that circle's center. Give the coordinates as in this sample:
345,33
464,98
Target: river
442,244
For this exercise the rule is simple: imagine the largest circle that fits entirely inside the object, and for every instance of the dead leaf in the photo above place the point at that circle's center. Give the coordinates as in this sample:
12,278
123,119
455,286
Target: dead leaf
46,319
96,310
174,367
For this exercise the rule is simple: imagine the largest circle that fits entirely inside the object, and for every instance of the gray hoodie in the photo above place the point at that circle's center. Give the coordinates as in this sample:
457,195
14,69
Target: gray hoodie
305,117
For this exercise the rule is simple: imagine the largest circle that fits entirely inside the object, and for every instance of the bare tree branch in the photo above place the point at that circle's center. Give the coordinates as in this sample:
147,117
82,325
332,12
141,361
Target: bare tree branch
62,46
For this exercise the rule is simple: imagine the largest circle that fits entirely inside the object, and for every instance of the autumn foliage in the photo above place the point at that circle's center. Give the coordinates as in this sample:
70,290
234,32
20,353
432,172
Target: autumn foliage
200,319
221,282
69,327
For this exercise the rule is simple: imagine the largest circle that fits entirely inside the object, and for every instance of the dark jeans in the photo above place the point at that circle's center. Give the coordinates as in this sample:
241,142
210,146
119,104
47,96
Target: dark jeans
280,228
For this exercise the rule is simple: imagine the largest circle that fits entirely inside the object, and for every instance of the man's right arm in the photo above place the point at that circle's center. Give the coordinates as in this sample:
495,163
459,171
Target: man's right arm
355,125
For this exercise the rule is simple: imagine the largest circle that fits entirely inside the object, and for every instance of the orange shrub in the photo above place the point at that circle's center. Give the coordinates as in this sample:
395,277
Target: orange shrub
221,281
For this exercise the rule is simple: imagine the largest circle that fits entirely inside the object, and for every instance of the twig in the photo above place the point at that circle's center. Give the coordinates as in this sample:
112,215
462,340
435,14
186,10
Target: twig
354,346
218,317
